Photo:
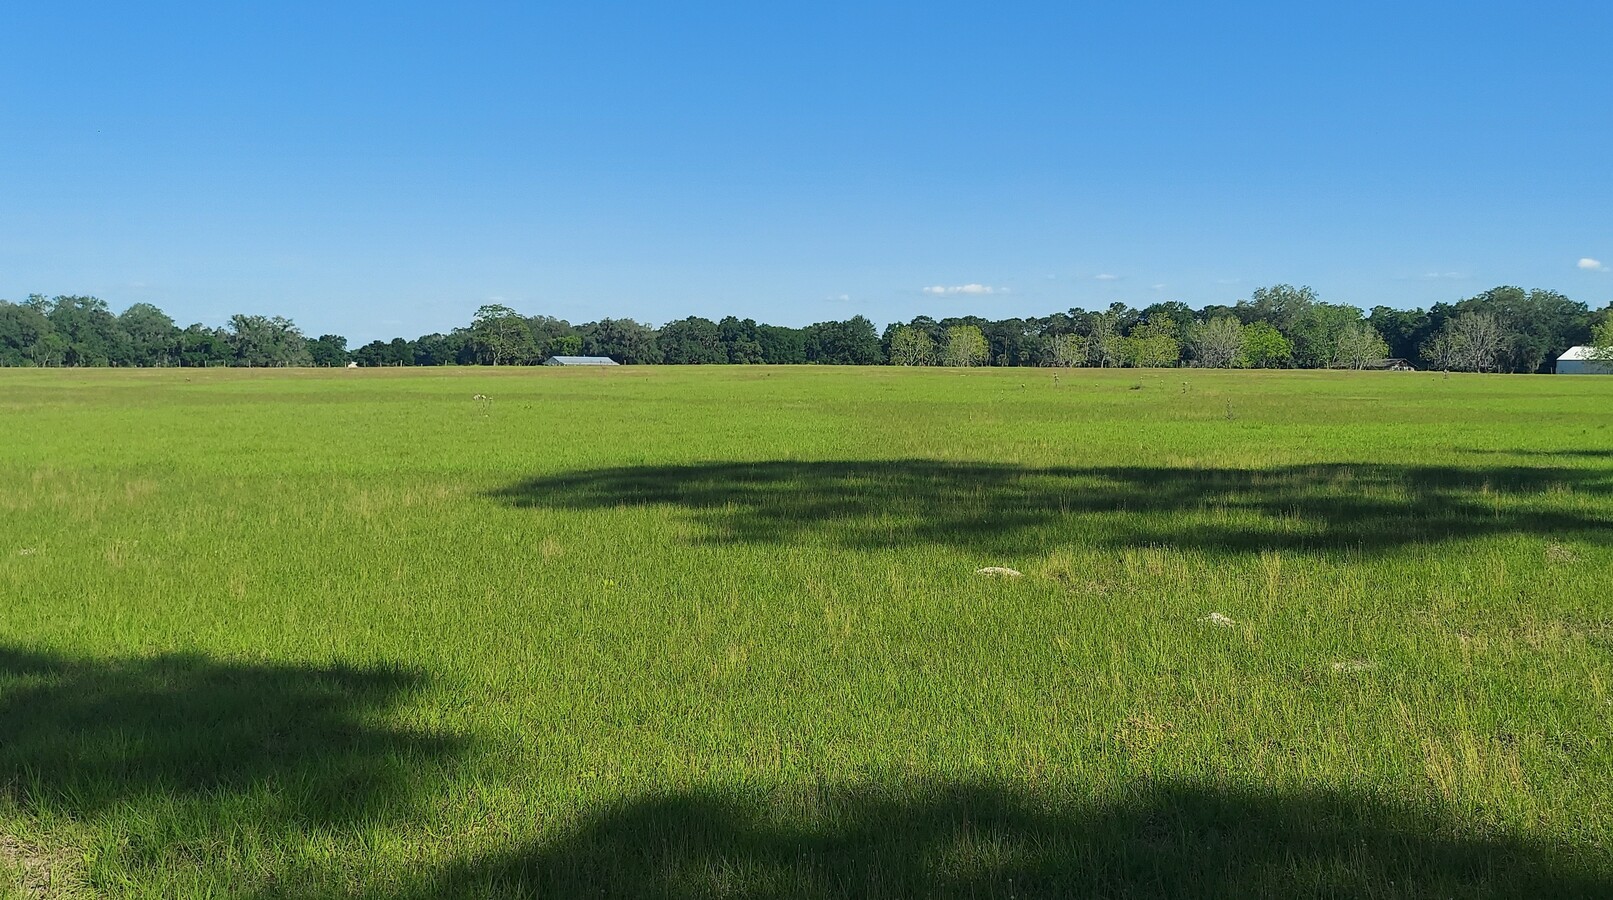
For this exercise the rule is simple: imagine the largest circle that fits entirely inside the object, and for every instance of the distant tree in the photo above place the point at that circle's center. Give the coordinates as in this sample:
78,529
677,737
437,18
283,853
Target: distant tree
1441,351
1068,351
328,350
1283,305
1104,346
89,330
500,336
965,346
911,346
27,337
1357,346
1264,347
1151,345
438,349
853,342
1217,343
152,337
1173,318
739,341
1479,340
371,355
201,346
1404,330
267,341
780,345
1601,341
691,341
1316,332
552,337
623,340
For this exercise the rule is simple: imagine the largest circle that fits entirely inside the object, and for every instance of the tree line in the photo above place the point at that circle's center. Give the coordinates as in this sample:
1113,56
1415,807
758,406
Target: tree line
1505,329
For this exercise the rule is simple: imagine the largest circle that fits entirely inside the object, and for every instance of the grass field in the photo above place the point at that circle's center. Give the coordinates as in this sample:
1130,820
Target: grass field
717,632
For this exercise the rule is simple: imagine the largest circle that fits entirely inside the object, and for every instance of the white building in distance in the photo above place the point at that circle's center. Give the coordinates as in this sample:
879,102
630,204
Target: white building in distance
1578,361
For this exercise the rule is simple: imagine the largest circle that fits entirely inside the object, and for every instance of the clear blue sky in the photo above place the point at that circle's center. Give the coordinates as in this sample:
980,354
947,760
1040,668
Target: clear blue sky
381,169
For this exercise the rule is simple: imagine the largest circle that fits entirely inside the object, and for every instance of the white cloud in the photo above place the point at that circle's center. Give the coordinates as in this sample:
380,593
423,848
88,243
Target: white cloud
842,298
1106,277
1159,287
1443,276
1592,265
965,289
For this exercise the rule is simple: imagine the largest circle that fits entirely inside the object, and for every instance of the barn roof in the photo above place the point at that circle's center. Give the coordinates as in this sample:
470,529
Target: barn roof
580,361
1576,353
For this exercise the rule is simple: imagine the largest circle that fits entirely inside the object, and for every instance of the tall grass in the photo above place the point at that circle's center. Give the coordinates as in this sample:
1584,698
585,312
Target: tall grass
718,632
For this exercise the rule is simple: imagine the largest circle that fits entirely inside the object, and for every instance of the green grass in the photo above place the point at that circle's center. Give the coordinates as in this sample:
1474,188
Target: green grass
718,632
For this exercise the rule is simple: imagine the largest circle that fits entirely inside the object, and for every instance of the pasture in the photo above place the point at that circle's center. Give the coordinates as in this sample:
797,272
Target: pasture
690,632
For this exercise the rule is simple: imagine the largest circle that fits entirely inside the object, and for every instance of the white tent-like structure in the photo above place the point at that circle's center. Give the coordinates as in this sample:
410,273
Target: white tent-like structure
1581,361
579,361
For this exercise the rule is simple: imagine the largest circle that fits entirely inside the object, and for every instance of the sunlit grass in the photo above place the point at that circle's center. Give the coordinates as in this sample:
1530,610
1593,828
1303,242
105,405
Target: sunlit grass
690,632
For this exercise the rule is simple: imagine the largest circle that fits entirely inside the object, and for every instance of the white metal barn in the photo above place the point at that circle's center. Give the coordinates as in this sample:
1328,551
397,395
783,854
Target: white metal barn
580,361
1577,361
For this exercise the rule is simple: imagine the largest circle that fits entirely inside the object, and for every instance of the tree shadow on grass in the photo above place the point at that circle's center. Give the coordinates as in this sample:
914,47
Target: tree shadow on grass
85,736
1006,508
982,840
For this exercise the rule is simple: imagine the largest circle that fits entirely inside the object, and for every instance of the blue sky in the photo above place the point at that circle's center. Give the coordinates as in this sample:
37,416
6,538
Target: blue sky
381,169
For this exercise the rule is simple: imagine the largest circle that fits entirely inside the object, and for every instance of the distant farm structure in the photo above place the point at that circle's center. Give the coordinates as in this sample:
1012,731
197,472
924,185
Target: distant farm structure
1391,365
579,361
1583,361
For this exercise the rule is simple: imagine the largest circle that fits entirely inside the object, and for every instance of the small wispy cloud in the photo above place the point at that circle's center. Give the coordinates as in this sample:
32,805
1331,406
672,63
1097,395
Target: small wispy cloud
1158,287
1443,276
1592,265
1105,276
839,298
964,289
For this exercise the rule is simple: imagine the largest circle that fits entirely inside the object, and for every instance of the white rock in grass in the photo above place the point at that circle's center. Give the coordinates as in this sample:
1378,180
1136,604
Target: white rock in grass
1354,665
999,572
1217,619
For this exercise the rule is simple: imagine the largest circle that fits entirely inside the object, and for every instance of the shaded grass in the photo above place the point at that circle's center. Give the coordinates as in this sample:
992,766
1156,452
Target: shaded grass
893,503
946,839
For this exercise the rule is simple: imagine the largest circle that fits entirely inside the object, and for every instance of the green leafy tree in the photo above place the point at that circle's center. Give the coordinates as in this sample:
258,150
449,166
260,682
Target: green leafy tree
1358,346
328,350
740,342
1601,342
623,340
267,341
691,341
200,346
781,346
1217,343
1068,351
911,346
438,349
27,337
1264,347
89,329
965,346
853,342
1105,347
500,336
1151,345
152,338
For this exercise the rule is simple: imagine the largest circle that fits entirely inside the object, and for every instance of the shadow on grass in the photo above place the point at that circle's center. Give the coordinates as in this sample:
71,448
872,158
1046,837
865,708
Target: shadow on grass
979,840
86,736
896,503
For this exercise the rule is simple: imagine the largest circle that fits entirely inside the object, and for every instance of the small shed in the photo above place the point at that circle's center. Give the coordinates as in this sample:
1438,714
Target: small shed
1391,365
1582,361
580,361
